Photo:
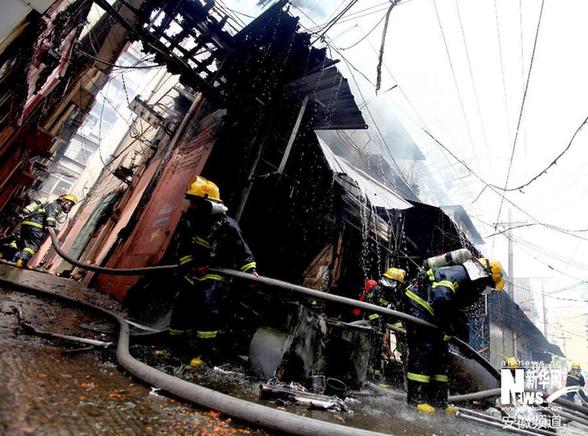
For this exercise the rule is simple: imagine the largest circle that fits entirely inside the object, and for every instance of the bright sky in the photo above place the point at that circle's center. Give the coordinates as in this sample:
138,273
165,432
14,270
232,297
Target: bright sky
490,44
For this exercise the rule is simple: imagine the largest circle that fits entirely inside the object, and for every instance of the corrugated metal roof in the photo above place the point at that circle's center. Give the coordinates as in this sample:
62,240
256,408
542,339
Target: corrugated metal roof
378,194
333,104
463,221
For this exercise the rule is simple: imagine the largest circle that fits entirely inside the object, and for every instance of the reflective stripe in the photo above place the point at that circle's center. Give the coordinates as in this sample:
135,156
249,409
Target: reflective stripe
177,332
441,378
189,280
421,378
185,259
451,285
573,376
201,241
431,275
206,334
50,218
414,297
29,250
384,302
447,338
211,277
248,266
13,244
32,224
373,316
397,324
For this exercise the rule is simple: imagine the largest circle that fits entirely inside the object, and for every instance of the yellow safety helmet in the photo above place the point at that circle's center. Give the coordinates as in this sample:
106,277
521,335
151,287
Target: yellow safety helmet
395,274
511,362
69,197
494,268
576,365
200,187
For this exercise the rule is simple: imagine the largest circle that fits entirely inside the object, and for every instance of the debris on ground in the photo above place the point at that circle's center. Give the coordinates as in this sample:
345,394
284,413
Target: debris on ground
296,393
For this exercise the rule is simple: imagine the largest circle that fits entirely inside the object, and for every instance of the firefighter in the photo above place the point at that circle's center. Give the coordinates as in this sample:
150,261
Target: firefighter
206,237
437,296
575,378
386,293
8,244
363,296
33,227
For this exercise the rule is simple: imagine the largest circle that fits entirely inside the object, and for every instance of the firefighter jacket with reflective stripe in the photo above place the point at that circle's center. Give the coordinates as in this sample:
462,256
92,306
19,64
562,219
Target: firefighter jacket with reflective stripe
440,295
575,378
213,240
44,216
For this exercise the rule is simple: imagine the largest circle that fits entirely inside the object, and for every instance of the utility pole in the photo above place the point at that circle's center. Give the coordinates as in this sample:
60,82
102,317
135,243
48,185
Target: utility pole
510,257
544,307
563,338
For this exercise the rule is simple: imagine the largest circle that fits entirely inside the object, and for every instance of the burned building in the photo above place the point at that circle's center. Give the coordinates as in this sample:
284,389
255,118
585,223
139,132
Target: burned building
310,215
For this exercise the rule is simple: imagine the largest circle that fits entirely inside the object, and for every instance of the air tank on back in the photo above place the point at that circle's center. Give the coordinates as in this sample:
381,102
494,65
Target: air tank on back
456,257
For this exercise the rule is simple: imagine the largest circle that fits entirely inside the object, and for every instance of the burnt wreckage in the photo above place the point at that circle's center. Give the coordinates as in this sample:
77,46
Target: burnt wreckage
310,216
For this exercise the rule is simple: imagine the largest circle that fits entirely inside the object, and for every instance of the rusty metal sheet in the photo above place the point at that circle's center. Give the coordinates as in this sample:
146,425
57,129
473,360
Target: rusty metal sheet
157,223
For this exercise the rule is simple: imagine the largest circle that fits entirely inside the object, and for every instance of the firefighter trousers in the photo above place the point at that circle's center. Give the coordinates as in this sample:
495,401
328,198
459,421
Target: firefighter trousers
198,307
28,243
428,359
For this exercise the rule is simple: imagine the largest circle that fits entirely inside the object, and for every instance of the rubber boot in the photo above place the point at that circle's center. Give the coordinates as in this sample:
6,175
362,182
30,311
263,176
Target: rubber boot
426,408
438,394
417,392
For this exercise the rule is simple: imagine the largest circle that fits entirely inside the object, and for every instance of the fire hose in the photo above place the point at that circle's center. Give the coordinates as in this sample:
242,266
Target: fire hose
463,346
274,283
247,411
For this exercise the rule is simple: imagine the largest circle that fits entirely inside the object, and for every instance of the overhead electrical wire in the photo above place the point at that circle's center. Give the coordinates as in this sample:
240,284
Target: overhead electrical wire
366,34
475,88
486,184
461,104
504,93
551,164
545,294
501,195
124,67
350,18
325,29
522,109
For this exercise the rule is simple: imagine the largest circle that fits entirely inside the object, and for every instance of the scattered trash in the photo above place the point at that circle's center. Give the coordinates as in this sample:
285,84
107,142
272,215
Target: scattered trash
296,393
155,392
220,370
162,353
29,328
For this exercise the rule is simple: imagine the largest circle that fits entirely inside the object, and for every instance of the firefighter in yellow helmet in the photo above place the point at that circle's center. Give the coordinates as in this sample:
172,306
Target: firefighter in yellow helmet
575,378
386,293
206,237
33,227
438,296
